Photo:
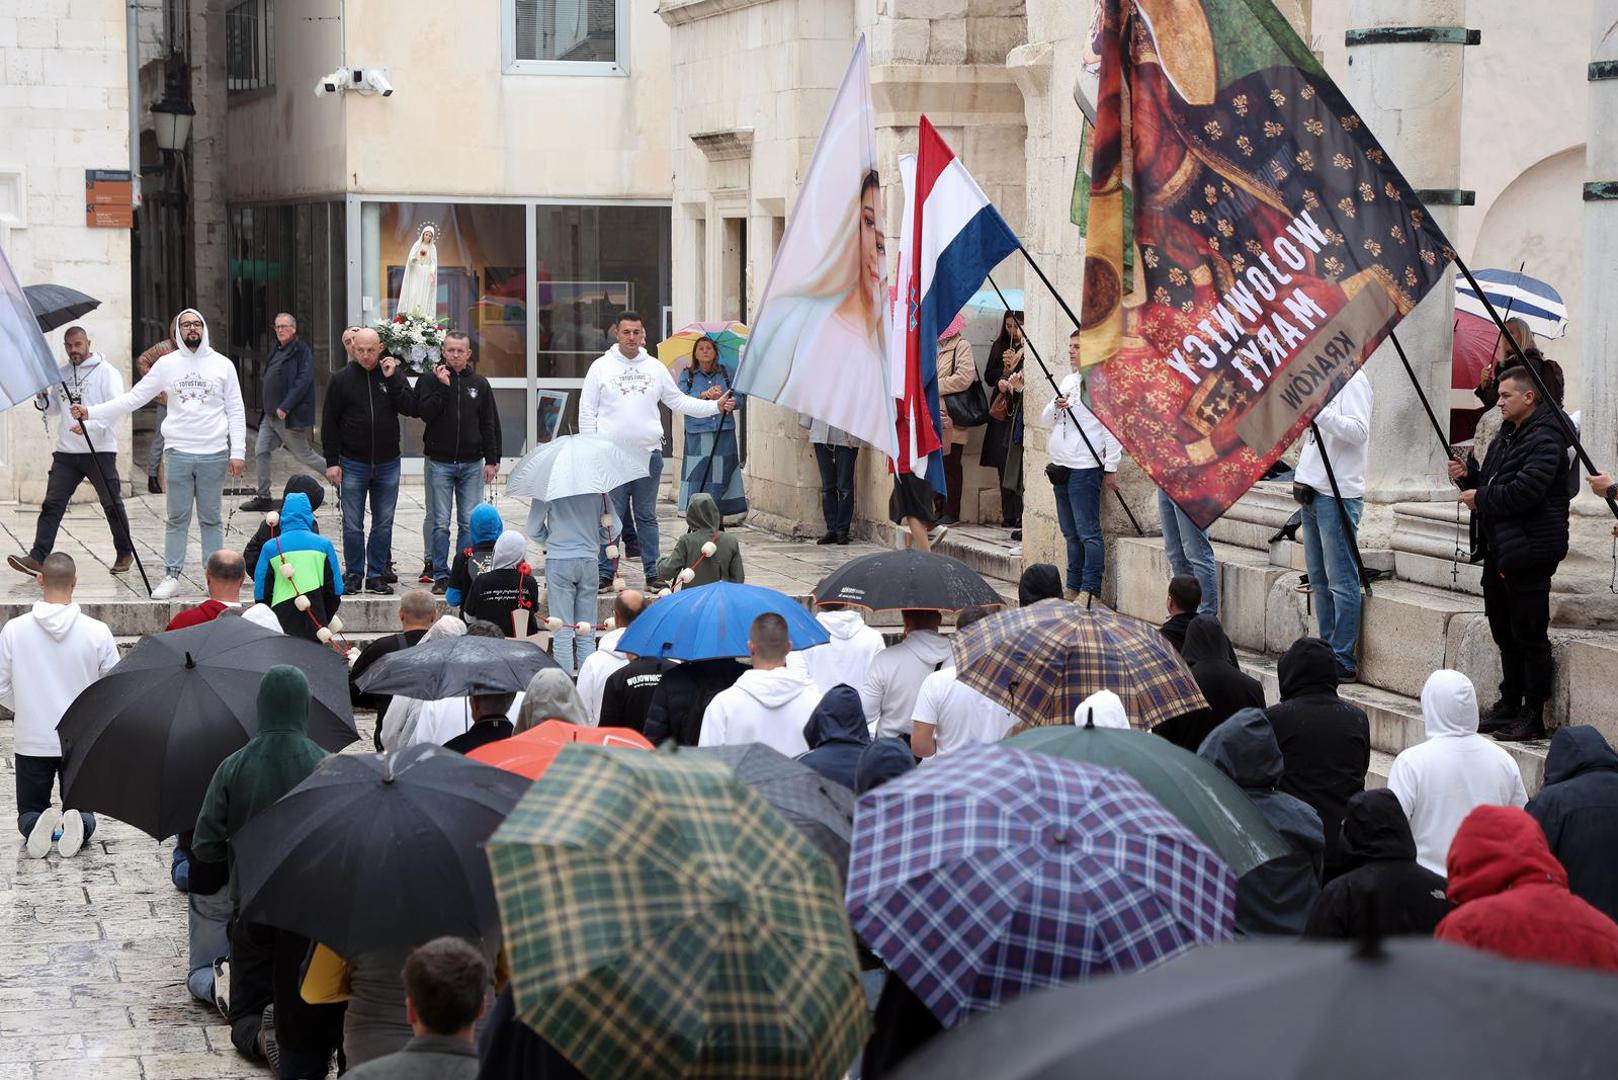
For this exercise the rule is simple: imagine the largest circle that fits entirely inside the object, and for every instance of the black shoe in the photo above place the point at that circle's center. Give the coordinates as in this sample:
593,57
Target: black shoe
949,519
631,551
1016,535
1501,714
426,577
389,577
379,586
1529,724
351,584
441,586
258,504
153,486
829,538
1344,675
604,584
842,539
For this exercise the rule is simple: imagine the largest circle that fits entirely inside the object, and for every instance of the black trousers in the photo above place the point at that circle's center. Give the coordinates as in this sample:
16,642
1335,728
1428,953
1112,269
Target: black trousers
67,472
954,479
1518,608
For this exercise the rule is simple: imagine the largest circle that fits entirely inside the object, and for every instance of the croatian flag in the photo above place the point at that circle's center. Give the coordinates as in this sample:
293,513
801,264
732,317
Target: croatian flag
953,237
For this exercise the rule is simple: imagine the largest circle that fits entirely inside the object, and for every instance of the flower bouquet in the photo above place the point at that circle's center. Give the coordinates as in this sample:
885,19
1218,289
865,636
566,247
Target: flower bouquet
414,339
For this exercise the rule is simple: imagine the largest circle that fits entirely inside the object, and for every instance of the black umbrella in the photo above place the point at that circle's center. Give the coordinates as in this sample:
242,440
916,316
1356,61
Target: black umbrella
58,305
1318,1011
895,580
379,850
822,809
142,742
456,667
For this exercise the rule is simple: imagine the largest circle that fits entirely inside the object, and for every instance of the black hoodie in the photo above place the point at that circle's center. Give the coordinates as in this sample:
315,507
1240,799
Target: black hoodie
683,695
1578,809
1325,740
1212,660
300,482
1384,890
837,735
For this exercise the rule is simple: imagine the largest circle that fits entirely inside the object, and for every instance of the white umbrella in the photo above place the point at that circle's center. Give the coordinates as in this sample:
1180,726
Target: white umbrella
575,465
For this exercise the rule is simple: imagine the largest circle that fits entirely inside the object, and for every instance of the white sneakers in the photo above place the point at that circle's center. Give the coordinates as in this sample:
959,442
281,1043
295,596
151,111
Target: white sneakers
66,828
72,838
167,588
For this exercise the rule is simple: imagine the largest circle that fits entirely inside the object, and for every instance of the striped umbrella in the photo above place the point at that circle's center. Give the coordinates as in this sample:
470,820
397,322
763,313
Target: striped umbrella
1528,299
675,350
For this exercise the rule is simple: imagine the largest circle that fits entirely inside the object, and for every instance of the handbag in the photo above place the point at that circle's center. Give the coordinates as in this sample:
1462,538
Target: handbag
968,408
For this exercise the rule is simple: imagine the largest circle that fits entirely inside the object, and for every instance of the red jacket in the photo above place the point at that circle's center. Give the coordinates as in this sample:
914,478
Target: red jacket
1514,899
207,611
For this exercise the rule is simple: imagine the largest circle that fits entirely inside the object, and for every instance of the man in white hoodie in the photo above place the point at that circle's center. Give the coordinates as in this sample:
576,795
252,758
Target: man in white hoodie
894,679
87,378
845,659
204,433
46,658
769,704
1440,781
622,391
1083,460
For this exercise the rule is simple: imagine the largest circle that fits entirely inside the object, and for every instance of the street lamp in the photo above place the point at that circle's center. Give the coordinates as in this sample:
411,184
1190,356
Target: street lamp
172,116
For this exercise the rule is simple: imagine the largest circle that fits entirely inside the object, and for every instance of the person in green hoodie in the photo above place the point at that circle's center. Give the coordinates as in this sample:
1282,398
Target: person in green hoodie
725,564
276,760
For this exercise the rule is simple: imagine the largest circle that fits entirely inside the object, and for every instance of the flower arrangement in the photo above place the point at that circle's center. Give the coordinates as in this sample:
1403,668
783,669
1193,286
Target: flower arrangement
414,339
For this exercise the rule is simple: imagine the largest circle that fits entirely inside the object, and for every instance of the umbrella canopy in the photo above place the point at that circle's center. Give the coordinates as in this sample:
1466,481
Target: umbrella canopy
378,850
996,871
1529,299
531,753
142,742
1040,661
1299,1010
822,809
574,465
58,305
1202,798
712,621
456,667
730,337
989,300
663,921
900,580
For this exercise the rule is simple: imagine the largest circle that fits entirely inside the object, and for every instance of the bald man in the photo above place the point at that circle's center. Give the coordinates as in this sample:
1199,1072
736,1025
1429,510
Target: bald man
360,435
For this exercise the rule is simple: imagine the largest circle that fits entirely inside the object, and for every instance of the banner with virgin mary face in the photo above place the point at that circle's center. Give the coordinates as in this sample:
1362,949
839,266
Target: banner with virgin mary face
1275,242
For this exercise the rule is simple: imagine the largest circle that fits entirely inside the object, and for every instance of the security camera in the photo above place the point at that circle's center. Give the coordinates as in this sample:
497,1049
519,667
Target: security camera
335,83
373,81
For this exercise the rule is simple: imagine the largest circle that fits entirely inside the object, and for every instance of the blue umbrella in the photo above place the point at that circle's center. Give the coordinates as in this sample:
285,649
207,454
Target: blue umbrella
711,621
989,300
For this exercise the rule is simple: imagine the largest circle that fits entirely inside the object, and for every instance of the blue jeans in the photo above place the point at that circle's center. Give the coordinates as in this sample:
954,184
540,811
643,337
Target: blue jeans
1334,579
641,497
368,561
462,482
428,516
570,595
837,485
1078,512
199,479
1189,552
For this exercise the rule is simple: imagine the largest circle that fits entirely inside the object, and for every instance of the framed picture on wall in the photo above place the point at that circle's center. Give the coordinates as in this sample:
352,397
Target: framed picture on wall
550,405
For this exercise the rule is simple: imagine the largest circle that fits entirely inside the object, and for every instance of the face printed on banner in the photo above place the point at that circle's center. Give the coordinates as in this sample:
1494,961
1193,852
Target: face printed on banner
873,242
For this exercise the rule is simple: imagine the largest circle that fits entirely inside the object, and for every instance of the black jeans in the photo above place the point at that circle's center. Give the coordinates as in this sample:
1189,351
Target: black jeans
1519,611
954,479
67,472
837,485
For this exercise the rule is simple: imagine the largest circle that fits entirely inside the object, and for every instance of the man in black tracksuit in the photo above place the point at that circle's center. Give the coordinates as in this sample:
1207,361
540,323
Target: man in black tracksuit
461,444
359,432
1519,503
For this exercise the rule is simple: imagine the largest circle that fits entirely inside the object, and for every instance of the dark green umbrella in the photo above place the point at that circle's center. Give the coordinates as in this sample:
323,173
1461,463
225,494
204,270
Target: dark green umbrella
1205,800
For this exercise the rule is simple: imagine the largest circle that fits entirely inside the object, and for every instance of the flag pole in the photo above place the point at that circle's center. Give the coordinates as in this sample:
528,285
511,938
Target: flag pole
1350,530
1421,393
67,417
1058,392
1049,285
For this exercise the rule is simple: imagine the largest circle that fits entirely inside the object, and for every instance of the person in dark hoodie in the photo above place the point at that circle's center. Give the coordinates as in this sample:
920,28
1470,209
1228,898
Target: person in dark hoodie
472,560
1185,596
304,602
683,695
885,759
1325,741
691,551
287,408
1274,897
1578,809
460,441
278,758
1383,890
507,593
1212,660
1041,581
837,735
305,485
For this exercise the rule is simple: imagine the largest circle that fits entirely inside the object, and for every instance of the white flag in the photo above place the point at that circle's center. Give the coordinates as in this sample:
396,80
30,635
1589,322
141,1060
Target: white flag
26,364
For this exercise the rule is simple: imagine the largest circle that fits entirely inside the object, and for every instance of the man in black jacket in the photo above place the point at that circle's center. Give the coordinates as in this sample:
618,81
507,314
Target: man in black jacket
287,416
360,434
1519,503
1383,890
461,443
1578,809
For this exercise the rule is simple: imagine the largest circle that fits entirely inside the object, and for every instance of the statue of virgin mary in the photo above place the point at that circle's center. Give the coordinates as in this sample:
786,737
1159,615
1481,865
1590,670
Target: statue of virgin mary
418,294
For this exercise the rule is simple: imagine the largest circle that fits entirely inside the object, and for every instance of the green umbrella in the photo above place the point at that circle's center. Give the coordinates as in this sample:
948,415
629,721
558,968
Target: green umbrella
663,920
1205,800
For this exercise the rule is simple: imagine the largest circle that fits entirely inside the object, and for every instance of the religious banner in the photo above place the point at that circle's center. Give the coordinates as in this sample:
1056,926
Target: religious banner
1275,244
26,363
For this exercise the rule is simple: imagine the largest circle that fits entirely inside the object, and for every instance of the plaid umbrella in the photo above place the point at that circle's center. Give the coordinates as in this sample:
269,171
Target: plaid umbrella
822,809
663,921
1040,661
998,871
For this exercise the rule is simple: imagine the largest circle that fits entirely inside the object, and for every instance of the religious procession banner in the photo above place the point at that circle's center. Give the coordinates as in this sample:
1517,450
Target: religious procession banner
1274,242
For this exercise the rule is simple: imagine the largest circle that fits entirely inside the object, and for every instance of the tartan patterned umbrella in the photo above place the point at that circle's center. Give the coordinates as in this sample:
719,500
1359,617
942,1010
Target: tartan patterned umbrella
663,921
1040,661
997,871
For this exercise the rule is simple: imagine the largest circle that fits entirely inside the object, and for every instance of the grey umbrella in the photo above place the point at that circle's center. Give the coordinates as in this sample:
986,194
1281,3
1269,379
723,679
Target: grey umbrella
822,809
456,667
58,305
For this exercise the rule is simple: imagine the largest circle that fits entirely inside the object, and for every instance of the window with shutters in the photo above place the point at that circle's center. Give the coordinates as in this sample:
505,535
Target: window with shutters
566,37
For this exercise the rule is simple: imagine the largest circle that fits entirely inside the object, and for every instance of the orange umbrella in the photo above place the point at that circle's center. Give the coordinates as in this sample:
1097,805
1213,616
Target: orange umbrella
532,752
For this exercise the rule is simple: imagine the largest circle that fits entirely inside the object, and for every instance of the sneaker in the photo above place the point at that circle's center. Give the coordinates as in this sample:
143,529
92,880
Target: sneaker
1529,724
937,534
949,519
122,564
1015,551
1346,675
1016,535
24,564
153,486
221,986
167,588
379,586
389,576
1070,595
829,538
426,575
266,1039
72,834
441,586
44,832
351,584
842,539
604,585
258,504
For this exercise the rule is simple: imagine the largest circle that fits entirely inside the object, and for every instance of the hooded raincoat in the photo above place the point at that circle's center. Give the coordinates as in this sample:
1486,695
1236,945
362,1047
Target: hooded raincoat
302,483
551,696
316,573
507,593
1383,890
725,564
1274,897
1041,581
769,707
1441,780
884,760
485,526
1514,899
1325,741
1578,809
1211,658
837,735
845,660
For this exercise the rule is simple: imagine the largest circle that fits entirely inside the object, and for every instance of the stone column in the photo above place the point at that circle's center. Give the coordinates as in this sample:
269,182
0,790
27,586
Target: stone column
1599,427
1404,77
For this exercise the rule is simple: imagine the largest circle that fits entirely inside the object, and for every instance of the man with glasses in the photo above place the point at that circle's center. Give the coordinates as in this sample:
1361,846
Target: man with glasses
288,407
